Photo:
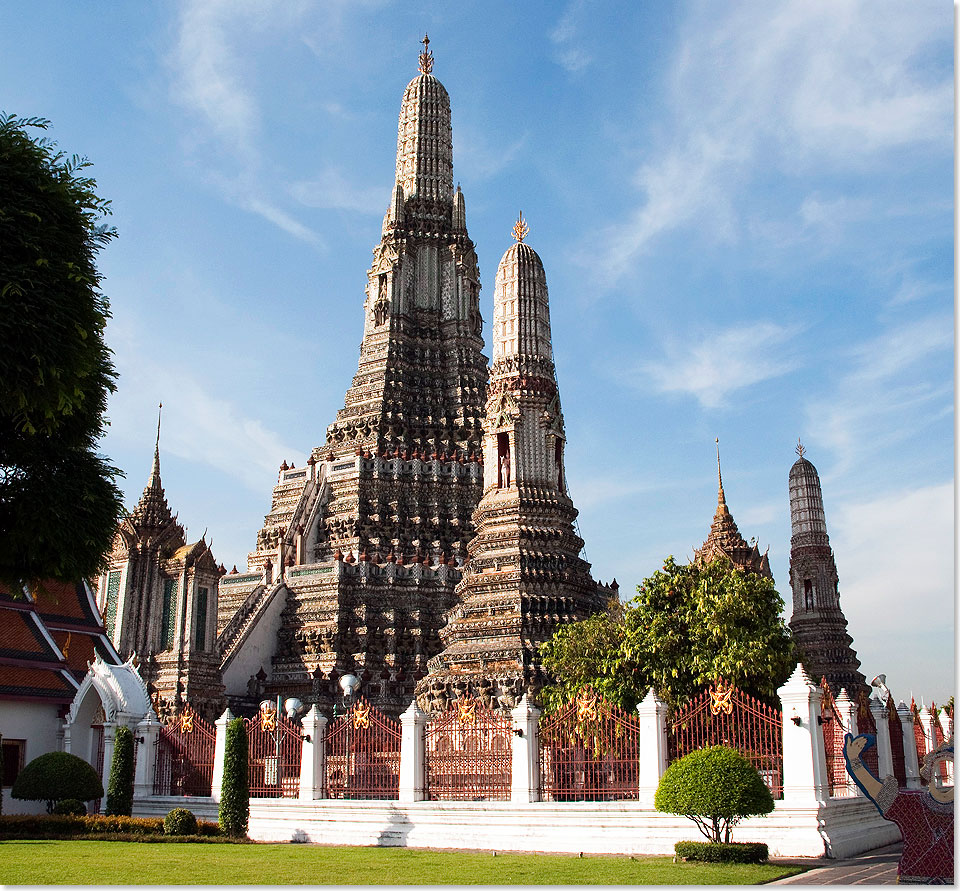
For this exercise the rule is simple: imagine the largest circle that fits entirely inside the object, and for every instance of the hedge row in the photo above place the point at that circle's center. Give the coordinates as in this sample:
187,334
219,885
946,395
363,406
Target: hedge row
52,826
717,852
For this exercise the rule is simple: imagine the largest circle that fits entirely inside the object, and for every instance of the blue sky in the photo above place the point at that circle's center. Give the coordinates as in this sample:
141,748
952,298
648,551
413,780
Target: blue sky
745,212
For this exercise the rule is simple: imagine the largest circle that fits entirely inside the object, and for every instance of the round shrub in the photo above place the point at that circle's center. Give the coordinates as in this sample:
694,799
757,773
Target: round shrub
716,788
180,821
70,807
55,776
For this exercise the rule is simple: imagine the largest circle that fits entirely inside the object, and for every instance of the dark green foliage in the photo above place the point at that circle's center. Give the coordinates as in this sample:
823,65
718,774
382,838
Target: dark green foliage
54,364
98,826
235,790
589,653
180,821
55,776
714,787
712,852
120,785
688,626
70,807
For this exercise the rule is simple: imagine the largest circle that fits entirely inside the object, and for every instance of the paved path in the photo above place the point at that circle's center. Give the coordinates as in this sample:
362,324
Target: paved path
878,867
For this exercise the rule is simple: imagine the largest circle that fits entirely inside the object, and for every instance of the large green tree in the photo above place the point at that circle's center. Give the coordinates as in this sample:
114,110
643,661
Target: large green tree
59,502
687,626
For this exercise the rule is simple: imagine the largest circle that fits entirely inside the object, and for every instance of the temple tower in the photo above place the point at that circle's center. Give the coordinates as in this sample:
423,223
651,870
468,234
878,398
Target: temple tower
818,624
362,545
158,599
525,575
725,539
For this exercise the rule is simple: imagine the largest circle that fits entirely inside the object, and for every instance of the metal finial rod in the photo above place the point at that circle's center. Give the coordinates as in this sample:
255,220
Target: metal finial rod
426,57
159,412
800,449
520,228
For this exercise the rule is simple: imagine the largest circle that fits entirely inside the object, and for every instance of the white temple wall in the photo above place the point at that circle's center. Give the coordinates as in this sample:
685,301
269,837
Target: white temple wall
35,723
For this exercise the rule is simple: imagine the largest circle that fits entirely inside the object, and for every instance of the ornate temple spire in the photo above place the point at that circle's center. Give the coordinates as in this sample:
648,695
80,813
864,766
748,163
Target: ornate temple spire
425,137
725,539
721,498
152,510
526,574
818,623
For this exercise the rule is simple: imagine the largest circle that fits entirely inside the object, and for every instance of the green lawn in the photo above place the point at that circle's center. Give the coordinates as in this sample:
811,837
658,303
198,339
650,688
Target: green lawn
132,863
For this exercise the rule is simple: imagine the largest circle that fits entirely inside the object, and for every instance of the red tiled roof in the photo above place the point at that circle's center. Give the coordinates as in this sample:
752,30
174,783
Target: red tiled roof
35,683
21,639
65,603
79,648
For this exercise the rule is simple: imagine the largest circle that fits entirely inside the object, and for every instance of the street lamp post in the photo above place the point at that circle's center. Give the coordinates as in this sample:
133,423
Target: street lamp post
349,684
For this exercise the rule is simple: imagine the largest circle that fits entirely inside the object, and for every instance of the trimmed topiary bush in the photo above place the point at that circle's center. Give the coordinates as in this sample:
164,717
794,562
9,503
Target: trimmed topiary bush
55,776
234,812
70,807
180,821
716,788
714,852
120,786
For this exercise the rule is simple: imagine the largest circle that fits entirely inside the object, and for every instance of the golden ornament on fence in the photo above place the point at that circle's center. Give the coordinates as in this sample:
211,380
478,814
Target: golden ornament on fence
186,722
361,716
467,711
721,699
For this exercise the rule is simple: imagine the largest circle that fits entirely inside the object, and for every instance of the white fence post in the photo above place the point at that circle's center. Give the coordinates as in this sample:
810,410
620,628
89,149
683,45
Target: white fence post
804,757
148,737
652,746
412,723
884,754
218,751
312,755
525,744
109,736
910,763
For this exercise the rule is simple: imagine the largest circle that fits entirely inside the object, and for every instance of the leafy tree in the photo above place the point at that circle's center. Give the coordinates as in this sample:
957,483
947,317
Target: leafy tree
55,776
54,364
687,626
235,791
590,652
120,785
716,788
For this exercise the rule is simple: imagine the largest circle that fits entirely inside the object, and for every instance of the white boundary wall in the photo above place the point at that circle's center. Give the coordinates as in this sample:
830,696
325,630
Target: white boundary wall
839,829
806,823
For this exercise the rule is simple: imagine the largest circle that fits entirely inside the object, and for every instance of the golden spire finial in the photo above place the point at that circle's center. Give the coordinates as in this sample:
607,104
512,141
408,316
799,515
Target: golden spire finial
426,57
520,229
800,449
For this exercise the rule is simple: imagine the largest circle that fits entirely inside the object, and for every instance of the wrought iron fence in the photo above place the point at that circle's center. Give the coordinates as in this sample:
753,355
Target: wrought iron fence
589,751
468,754
184,761
724,715
363,754
833,735
275,745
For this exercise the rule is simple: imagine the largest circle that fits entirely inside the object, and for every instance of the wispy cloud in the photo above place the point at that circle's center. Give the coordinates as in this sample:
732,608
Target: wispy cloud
479,158
564,36
722,362
878,399
331,189
210,80
879,589
826,85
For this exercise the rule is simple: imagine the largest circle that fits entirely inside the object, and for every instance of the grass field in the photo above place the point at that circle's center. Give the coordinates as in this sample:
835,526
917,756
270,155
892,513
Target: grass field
132,863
